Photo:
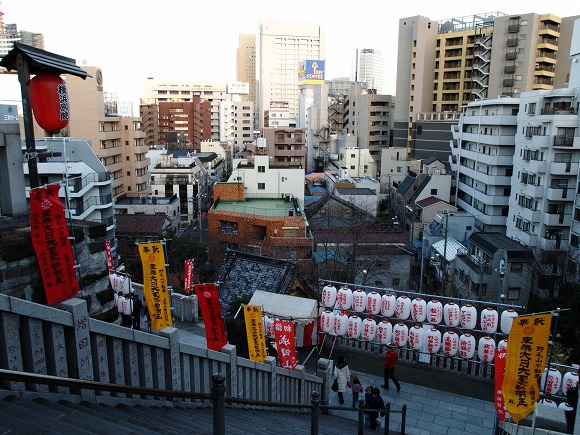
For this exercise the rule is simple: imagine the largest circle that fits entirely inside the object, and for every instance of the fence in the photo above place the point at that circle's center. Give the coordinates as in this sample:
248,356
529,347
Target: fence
65,342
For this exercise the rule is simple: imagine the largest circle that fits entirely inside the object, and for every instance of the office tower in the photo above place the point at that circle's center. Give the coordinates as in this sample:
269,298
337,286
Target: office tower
370,69
444,65
246,64
281,46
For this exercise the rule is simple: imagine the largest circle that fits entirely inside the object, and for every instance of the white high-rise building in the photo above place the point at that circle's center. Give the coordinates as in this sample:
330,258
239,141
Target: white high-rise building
370,69
281,46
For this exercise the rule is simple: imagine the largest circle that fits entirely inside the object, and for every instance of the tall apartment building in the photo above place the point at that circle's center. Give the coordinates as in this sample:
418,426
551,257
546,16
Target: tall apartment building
282,45
370,117
246,64
482,160
370,69
445,65
9,34
542,209
237,123
117,140
285,146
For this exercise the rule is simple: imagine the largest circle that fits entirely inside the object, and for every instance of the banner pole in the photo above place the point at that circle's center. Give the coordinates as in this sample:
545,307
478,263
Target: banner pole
169,286
556,315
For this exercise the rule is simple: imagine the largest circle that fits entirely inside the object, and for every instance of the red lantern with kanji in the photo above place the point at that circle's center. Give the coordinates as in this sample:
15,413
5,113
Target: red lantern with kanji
49,101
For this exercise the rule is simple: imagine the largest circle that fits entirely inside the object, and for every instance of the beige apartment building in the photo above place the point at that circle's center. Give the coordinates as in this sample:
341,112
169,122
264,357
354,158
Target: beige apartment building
117,140
443,65
246,64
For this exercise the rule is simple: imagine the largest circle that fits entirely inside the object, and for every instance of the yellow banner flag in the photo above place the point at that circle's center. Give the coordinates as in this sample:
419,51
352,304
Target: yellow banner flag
155,289
527,352
255,332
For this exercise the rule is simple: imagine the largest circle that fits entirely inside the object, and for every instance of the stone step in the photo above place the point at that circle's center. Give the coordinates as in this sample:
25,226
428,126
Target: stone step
41,415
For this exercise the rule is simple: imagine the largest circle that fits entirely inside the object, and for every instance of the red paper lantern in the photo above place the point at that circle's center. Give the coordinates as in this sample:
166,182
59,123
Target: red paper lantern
49,101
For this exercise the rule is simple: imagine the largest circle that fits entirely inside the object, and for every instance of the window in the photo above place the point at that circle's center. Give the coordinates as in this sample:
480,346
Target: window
516,267
531,108
229,228
513,293
126,127
352,156
258,232
261,169
433,191
128,173
261,186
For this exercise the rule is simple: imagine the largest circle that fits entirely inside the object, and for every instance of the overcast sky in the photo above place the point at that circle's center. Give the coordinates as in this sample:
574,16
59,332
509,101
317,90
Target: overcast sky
197,40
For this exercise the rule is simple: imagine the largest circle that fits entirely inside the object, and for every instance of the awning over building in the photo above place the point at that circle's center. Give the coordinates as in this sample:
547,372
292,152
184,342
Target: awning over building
453,245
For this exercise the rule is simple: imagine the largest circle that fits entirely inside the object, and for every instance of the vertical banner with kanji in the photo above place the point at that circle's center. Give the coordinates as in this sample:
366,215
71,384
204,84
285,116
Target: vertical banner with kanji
527,351
499,369
211,311
255,332
155,287
50,238
284,333
188,276
109,255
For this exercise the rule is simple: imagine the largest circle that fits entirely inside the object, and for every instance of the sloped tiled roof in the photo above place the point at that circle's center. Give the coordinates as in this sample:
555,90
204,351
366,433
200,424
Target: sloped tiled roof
429,201
242,274
405,184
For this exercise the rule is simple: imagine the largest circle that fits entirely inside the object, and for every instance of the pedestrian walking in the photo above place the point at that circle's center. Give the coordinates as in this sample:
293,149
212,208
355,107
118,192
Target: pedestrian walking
374,402
137,305
391,358
356,388
342,376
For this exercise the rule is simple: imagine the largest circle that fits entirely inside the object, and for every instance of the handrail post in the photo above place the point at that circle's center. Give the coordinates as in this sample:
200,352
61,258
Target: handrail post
403,419
387,417
314,421
218,389
361,416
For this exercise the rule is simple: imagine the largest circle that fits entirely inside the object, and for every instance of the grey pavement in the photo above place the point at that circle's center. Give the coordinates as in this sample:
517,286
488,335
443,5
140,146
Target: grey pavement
437,403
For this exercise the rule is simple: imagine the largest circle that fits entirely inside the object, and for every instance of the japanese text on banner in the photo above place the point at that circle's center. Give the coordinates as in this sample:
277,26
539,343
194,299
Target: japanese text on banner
284,333
211,311
255,332
155,289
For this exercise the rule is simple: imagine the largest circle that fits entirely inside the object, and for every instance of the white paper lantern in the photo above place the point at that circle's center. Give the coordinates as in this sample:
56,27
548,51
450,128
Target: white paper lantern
451,314
489,320
369,329
326,322
569,380
403,310
373,303
359,300
468,316
502,344
400,334
466,346
354,326
419,310
565,407
434,312
388,304
384,332
554,381
344,298
450,343
507,318
340,324
433,340
269,325
329,295
549,402
486,349
128,306
416,337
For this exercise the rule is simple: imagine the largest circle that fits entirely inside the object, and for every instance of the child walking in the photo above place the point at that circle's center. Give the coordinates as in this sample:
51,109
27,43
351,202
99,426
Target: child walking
356,387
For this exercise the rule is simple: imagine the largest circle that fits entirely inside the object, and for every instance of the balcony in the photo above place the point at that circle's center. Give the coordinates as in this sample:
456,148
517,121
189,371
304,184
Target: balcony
559,194
560,219
565,141
511,55
564,168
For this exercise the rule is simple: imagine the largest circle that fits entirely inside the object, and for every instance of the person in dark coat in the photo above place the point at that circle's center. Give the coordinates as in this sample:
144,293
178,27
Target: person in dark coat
137,306
391,358
374,401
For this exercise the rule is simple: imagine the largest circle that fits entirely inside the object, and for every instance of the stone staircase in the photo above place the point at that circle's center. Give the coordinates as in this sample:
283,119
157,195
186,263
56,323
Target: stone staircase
44,416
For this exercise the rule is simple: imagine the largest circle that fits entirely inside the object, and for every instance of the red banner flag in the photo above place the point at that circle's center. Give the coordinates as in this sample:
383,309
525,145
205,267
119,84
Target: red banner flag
109,255
188,278
499,369
50,238
211,311
284,333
